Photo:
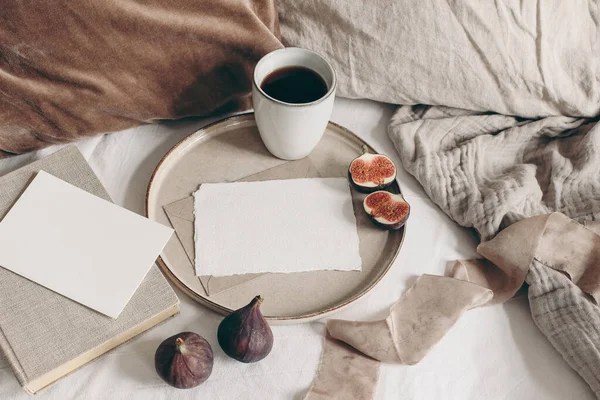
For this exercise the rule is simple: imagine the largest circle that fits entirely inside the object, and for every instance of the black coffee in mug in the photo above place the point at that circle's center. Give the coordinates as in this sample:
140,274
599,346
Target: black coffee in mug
294,85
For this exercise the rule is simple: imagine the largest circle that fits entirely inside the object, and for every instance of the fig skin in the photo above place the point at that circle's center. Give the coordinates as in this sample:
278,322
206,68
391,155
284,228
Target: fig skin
371,186
245,335
379,220
184,360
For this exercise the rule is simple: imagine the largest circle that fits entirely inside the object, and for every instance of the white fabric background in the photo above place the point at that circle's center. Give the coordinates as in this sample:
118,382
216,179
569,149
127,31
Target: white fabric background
492,353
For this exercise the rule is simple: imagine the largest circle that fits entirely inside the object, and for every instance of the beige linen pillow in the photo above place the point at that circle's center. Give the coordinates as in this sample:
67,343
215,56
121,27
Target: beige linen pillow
531,58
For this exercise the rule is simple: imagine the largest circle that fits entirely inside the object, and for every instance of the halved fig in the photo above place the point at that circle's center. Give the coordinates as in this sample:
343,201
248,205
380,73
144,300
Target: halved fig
371,172
387,210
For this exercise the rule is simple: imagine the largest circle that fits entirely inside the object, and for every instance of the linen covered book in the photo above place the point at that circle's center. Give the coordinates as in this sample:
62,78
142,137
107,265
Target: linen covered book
46,336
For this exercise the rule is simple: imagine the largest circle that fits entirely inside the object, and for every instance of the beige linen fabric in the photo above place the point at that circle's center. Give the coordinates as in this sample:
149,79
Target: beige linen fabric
41,330
569,320
555,255
345,373
488,171
527,58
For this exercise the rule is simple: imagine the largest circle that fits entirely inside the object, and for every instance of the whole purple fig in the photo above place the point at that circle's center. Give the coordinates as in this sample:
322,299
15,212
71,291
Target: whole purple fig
184,360
245,334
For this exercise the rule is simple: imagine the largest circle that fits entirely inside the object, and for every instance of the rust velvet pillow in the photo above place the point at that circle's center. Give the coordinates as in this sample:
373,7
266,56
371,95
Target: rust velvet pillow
72,69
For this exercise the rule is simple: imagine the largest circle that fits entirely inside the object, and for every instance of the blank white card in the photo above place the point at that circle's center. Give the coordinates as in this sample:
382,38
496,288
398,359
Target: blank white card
288,225
79,245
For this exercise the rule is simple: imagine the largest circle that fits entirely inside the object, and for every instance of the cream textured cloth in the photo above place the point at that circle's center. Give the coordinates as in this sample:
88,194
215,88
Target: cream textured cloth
559,258
488,171
526,58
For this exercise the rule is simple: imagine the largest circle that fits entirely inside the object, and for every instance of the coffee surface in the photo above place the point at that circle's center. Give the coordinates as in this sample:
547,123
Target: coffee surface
294,85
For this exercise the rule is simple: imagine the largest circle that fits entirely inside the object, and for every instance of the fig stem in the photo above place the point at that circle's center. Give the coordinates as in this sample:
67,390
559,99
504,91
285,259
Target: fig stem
259,299
365,149
179,344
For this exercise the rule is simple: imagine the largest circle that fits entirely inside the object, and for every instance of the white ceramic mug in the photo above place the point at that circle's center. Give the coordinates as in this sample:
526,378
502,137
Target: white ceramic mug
291,131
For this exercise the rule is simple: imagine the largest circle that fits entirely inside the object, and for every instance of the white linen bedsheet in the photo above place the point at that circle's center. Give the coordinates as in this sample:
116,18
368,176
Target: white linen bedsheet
491,353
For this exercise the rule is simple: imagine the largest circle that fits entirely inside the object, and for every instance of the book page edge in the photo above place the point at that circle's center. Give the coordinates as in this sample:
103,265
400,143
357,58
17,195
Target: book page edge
62,371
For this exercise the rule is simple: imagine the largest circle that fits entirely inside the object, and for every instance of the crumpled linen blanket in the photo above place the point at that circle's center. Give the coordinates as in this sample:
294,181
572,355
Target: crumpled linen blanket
488,171
559,259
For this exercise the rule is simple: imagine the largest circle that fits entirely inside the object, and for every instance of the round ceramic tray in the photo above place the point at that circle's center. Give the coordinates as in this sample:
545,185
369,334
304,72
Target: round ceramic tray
231,150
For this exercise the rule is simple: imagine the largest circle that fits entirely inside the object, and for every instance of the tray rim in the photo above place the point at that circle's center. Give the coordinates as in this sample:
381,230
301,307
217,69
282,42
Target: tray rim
276,319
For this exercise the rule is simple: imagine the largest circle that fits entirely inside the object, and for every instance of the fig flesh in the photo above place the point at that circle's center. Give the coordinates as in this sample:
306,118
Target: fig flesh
245,334
184,360
387,210
371,172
